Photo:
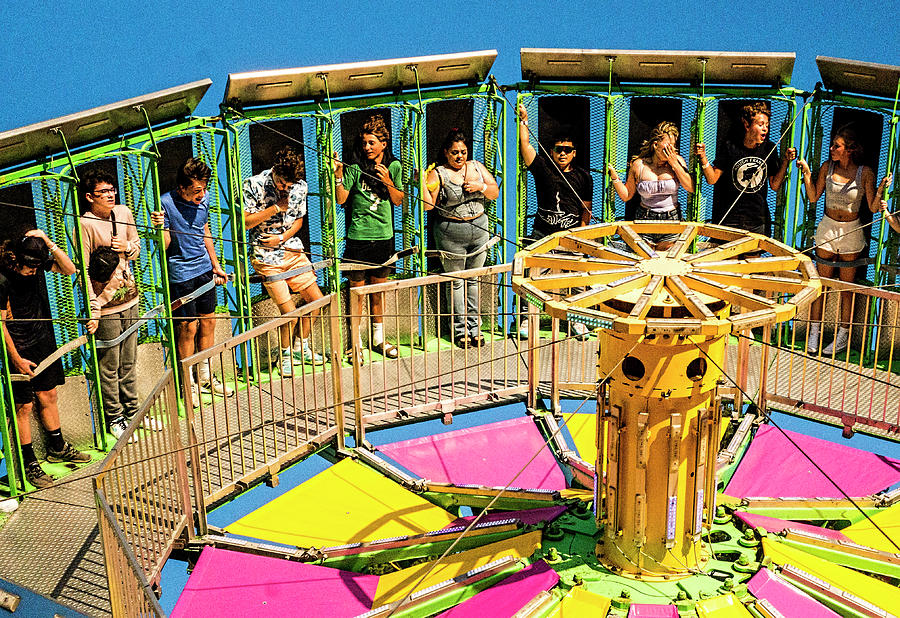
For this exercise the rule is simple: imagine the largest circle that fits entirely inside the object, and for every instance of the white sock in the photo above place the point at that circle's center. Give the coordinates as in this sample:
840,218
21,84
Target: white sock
377,333
203,372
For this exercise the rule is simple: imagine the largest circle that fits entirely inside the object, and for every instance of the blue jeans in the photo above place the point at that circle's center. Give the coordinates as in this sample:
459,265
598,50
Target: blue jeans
458,238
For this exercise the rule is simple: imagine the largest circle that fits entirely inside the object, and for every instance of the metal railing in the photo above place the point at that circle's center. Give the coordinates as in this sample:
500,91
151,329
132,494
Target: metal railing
435,371
858,386
143,502
273,416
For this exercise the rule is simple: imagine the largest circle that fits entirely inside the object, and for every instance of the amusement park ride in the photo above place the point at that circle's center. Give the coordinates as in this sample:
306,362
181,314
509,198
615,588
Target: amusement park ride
678,494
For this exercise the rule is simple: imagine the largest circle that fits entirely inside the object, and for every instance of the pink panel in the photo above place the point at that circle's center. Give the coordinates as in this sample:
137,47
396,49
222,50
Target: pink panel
486,455
789,601
229,583
507,597
638,610
774,468
773,524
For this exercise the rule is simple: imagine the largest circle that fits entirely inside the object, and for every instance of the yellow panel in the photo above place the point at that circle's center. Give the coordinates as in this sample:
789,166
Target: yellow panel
585,495
579,602
725,606
872,590
346,503
864,533
395,586
583,428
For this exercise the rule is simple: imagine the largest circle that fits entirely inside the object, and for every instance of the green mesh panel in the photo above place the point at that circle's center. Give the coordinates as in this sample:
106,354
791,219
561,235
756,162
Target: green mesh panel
778,122
824,127
139,194
487,148
52,199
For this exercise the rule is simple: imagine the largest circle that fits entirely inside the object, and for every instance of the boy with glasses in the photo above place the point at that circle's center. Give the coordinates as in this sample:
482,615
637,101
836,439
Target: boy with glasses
564,191
192,261
274,213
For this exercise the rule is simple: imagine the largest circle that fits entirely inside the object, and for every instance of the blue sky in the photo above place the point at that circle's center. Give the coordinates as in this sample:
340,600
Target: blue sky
76,55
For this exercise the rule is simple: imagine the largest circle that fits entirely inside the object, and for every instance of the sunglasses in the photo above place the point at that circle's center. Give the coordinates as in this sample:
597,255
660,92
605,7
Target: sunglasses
563,149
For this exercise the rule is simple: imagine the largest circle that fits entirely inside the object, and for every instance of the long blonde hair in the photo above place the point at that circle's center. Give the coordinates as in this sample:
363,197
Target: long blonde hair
659,131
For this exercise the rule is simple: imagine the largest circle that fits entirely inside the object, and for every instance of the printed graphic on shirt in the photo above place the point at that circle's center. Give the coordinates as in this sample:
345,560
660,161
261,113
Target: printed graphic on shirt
558,217
749,174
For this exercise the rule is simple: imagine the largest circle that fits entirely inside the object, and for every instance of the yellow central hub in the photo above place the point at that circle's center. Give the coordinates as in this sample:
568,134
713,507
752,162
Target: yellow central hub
664,266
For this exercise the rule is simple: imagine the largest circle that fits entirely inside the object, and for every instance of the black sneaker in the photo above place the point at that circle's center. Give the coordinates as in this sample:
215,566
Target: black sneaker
35,475
68,453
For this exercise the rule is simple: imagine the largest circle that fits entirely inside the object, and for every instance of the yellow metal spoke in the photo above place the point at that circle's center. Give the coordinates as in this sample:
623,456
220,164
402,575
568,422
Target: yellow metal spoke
635,242
647,298
595,296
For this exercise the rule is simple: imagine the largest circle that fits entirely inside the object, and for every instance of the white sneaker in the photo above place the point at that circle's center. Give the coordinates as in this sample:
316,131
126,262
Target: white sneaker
215,387
579,330
308,357
118,428
812,339
287,365
841,339
148,422
8,506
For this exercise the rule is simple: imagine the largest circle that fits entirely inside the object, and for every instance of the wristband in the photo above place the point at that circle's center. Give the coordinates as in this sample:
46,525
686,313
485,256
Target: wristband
53,247
484,187
525,122
338,181
707,164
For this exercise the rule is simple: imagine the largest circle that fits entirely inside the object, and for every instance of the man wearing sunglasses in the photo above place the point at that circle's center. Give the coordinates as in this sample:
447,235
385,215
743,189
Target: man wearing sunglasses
564,192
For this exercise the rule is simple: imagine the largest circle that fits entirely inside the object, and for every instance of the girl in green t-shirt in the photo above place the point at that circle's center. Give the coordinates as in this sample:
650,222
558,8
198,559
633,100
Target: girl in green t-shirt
369,190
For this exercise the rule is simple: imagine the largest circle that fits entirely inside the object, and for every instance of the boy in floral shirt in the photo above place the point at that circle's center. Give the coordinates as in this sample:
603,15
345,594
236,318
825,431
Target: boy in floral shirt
274,213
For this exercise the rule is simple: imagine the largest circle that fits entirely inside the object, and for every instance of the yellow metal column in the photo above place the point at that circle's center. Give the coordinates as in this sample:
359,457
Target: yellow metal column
660,421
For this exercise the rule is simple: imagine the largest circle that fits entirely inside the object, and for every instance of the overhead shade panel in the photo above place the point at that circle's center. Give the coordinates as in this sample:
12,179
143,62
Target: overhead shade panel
283,85
859,77
95,125
593,65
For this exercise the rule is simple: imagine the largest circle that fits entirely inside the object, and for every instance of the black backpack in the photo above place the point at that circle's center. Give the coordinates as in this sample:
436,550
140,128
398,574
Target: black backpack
104,261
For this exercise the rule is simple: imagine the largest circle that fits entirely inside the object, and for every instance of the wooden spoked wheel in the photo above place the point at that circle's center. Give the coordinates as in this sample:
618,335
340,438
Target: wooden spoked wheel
608,276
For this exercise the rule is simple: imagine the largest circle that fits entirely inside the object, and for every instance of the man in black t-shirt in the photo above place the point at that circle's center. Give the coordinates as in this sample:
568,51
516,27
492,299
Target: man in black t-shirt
741,200
29,339
564,192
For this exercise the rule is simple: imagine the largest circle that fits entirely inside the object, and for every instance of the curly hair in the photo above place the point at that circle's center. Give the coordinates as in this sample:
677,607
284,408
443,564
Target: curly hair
193,169
750,110
374,125
289,165
659,131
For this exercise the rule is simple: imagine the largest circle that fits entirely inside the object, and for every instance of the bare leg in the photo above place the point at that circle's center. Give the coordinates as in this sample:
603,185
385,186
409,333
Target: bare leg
309,294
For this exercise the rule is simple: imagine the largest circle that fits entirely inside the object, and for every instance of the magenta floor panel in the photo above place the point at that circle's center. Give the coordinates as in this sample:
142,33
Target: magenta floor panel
775,468
639,610
508,596
789,601
228,583
482,455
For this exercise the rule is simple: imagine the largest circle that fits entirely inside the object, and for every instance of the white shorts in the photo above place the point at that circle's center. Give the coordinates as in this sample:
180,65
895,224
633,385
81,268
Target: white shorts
839,237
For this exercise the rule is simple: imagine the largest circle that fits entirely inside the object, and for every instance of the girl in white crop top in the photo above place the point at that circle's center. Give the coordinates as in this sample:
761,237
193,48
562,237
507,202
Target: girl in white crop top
844,182
655,174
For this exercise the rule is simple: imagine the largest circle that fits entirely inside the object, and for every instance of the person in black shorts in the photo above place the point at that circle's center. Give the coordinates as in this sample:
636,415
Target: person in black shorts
369,189
192,262
29,339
